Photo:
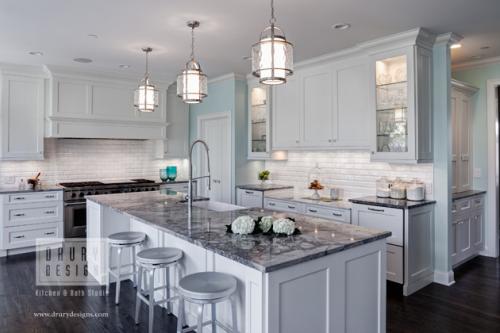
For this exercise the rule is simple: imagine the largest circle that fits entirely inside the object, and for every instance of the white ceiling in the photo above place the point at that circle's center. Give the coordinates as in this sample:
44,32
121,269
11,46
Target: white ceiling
60,29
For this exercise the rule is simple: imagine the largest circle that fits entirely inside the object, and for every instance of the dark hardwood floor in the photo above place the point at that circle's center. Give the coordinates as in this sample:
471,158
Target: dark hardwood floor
471,305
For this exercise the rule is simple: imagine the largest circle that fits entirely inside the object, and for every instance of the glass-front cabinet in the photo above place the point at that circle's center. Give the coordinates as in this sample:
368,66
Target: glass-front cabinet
401,102
259,146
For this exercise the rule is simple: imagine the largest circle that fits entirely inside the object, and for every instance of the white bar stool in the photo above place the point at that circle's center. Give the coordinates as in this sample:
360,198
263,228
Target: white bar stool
207,288
148,261
119,241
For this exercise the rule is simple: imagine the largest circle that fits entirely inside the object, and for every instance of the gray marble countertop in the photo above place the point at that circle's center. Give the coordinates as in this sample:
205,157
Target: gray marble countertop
5,189
391,203
264,187
340,204
319,237
467,194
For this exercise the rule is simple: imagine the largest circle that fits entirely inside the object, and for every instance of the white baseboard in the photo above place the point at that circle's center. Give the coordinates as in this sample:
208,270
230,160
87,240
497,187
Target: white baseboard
444,278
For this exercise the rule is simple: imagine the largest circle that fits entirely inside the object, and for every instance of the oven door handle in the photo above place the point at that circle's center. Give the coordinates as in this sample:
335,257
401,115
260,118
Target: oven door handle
66,204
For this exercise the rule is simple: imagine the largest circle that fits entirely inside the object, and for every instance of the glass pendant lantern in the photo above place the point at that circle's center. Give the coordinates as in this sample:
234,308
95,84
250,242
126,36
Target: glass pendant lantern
272,55
192,82
146,95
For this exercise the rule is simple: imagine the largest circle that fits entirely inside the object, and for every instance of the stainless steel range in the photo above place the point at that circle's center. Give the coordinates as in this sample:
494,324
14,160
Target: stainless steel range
75,210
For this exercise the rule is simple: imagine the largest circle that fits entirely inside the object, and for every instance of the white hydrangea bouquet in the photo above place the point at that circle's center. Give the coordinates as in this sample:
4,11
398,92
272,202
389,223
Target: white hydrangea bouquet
266,225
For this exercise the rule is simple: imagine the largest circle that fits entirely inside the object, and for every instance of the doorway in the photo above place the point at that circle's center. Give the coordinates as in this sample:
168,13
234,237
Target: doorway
215,130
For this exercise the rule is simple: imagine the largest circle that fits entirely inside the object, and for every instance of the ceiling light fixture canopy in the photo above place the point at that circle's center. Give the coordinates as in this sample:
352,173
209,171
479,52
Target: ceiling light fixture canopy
192,82
146,95
272,55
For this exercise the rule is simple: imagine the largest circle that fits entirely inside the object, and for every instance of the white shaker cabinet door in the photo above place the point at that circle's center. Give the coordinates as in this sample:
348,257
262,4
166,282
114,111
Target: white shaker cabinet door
316,90
21,112
286,115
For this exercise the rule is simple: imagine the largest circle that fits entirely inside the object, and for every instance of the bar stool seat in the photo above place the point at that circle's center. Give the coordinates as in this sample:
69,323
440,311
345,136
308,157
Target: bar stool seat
207,285
207,288
159,256
126,238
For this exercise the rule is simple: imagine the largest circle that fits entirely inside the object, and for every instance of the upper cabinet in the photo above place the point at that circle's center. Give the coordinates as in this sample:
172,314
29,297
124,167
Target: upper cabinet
401,104
21,114
100,107
259,105
461,124
286,114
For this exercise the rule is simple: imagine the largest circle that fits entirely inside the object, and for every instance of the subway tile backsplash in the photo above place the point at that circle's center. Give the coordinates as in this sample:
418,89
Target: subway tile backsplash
91,159
350,170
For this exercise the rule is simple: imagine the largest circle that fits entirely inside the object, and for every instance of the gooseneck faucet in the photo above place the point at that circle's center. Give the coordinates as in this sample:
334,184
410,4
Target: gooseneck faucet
190,182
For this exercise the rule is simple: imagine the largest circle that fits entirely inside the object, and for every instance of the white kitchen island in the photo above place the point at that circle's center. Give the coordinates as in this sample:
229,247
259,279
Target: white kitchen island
330,278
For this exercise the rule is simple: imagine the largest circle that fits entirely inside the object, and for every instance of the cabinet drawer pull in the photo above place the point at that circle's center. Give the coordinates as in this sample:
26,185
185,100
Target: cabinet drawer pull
248,192
337,214
19,214
50,233
291,207
477,201
50,196
49,212
271,204
375,209
312,210
19,198
21,236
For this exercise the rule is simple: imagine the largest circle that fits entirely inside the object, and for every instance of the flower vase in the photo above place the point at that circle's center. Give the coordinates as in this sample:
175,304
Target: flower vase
315,195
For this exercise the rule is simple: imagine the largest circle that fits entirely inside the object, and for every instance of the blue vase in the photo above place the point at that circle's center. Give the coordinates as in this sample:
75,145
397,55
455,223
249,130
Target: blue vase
171,173
163,175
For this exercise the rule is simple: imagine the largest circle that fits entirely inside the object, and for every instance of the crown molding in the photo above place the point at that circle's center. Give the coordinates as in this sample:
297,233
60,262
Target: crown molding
464,87
476,63
28,70
228,76
448,38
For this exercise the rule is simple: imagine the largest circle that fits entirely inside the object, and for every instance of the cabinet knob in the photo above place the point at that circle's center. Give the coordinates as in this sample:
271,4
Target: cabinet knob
296,141
330,140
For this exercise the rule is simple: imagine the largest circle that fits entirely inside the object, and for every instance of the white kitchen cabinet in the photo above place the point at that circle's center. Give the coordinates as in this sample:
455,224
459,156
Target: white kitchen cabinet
26,217
401,100
338,215
316,91
410,254
176,144
259,120
249,198
22,112
286,115
284,205
461,118
86,106
467,229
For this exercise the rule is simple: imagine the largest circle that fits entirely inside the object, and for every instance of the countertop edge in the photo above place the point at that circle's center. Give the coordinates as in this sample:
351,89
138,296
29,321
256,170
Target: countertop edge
50,189
415,204
467,194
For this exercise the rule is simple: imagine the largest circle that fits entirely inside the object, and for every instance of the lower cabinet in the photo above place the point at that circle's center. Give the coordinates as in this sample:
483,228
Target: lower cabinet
249,198
467,229
284,206
329,213
410,249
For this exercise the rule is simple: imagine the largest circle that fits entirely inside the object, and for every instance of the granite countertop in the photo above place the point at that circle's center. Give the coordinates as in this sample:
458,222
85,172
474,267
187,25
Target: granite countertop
391,203
340,204
264,187
467,194
319,237
14,189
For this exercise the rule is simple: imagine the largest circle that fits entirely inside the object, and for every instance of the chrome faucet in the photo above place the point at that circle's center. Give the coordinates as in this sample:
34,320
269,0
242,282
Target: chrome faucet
190,183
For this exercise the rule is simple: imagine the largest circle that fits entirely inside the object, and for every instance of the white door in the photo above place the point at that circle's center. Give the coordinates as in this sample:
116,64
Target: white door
215,130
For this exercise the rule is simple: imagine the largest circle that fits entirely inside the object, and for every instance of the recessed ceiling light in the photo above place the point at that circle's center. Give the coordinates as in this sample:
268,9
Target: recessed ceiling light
455,46
92,36
83,60
485,47
36,53
341,26
478,56
124,66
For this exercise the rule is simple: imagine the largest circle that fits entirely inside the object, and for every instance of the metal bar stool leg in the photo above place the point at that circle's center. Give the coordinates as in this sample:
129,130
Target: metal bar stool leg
151,298
118,268
167,288
134,267
234,321
108,278
214,318
180,315
199,328
137,298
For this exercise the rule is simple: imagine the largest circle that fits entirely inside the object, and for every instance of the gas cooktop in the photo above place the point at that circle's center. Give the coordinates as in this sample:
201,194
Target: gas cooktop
111,182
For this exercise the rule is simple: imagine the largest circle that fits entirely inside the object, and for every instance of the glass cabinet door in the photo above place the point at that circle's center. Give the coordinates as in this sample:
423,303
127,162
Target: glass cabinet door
392,105
258,122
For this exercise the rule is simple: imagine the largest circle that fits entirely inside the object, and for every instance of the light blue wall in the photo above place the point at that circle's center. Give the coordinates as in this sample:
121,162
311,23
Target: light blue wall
478,77
229,95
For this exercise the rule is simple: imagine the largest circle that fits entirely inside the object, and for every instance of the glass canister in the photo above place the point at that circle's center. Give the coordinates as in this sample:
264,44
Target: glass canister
171,173
415,190
384,185
398,190
315,176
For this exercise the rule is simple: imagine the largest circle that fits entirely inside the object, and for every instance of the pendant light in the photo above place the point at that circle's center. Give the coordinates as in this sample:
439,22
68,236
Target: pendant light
146,96
272,55
192,83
